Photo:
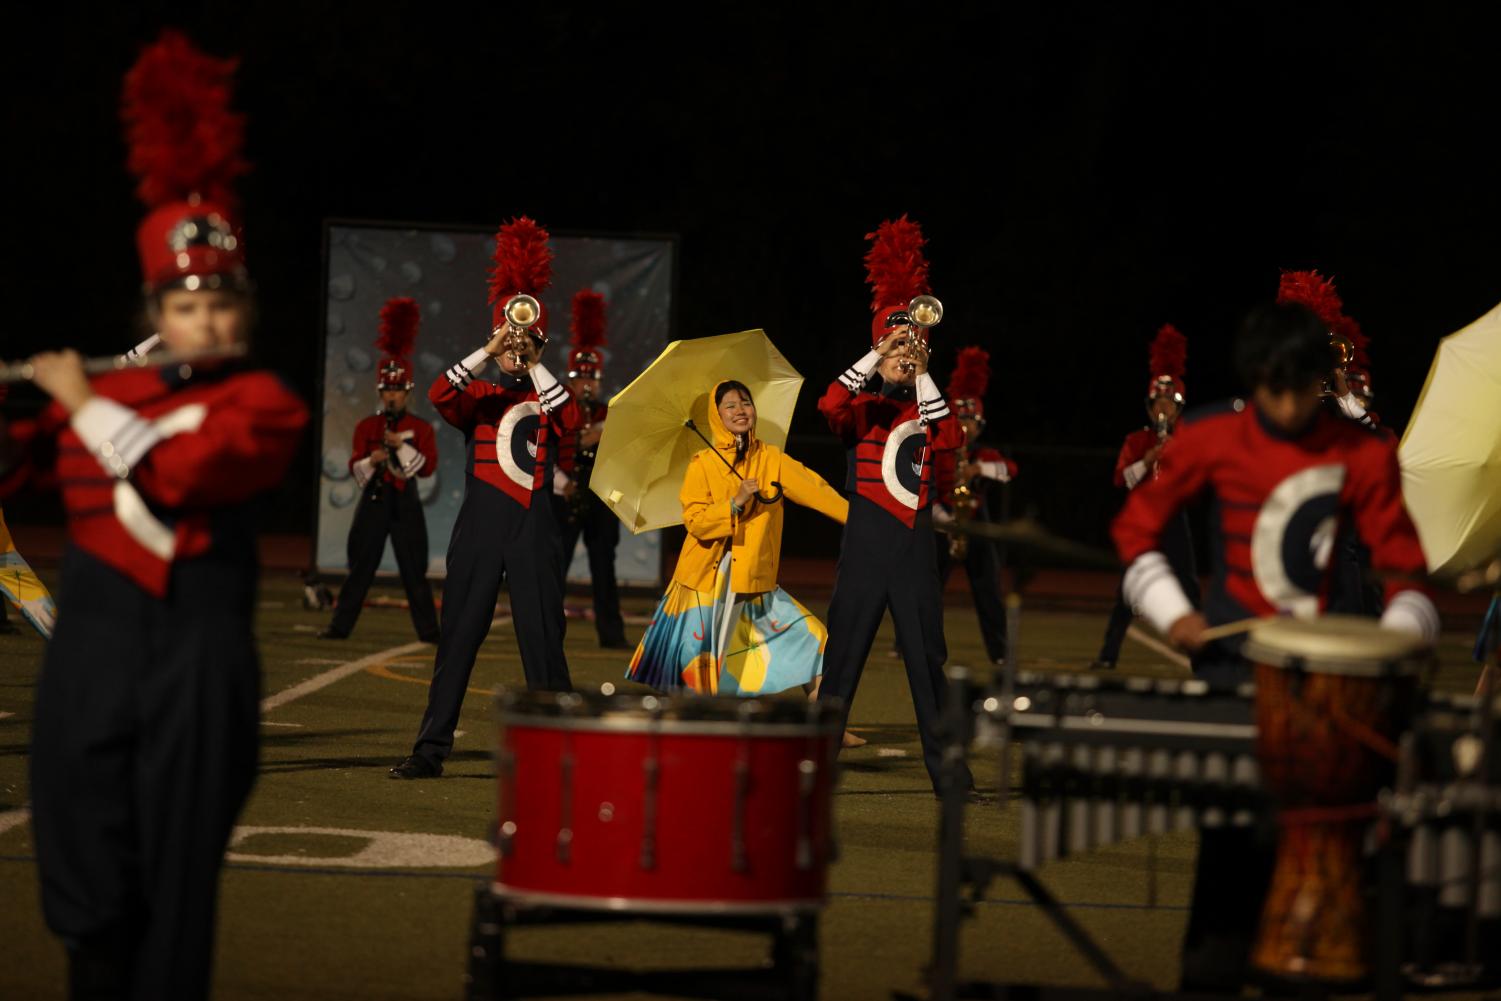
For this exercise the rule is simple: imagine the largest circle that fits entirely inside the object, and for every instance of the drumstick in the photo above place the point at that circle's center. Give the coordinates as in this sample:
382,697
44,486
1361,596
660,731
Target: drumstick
1232,628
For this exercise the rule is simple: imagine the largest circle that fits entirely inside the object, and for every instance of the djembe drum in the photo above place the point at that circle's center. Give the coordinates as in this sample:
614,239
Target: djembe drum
1332,697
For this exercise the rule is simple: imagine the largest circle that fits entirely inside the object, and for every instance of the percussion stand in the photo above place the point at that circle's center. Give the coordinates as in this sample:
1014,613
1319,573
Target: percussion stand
792,974
962,882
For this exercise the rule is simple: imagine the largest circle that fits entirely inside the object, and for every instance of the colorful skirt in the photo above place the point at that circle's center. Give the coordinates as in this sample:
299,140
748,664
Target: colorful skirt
724,644
20,587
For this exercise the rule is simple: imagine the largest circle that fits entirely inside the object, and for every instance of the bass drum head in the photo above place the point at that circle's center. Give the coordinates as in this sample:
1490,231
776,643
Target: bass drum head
1336,644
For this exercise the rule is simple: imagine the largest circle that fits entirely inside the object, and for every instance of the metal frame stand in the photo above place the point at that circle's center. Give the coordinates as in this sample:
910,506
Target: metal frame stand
963,881
790,973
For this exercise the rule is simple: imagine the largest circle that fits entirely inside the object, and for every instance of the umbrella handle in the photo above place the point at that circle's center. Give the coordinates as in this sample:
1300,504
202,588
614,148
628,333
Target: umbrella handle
776,494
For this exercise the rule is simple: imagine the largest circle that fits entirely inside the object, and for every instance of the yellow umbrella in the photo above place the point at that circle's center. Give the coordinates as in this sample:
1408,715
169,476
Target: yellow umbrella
1451,453
644,451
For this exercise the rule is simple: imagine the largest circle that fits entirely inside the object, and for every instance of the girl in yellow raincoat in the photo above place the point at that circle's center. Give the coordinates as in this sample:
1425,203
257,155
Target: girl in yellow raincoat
724,626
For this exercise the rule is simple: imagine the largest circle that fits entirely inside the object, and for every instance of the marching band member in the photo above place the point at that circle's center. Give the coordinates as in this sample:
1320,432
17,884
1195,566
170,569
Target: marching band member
1351,590
1137,462
505,528
724,626
579,512
973,466
143,756
1285,475
391,449
888,556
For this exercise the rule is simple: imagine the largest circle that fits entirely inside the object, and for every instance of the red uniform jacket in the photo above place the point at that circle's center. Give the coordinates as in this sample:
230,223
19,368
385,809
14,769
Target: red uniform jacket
891,445
508,429
945,473
568,443
1280,502
1137,444
148,466
370,434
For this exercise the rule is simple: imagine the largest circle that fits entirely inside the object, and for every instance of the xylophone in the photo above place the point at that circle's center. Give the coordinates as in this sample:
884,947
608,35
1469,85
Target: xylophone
1113,759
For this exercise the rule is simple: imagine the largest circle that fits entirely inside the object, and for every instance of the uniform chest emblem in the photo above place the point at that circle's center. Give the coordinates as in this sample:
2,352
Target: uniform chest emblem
516,442
1293,538
904,460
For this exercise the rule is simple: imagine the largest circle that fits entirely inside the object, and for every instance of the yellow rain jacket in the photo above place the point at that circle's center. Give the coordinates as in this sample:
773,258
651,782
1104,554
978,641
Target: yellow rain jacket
756,534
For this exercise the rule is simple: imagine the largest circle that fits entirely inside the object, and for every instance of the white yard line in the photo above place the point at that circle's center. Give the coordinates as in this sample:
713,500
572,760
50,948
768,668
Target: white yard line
13,818
319,681
1157,646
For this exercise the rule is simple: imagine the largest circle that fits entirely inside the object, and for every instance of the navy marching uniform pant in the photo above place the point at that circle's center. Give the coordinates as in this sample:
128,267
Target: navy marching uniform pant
983,568
883,564
143,751
386,511
1177,545
495,539
601,532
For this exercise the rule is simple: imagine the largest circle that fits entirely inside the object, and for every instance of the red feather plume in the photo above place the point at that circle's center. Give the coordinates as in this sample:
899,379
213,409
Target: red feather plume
523,260
895,267
183,138
399,319
1169,352
588,325
971,375
1313,290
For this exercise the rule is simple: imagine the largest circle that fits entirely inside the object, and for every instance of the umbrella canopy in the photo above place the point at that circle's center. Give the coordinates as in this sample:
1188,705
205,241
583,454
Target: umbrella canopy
1451,453
644,451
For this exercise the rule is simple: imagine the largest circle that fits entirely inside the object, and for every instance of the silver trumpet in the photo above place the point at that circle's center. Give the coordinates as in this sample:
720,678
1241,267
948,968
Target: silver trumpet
522,313
926,311
22,371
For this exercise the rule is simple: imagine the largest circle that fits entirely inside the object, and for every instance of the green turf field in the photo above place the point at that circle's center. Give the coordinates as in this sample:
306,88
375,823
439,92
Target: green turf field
312,906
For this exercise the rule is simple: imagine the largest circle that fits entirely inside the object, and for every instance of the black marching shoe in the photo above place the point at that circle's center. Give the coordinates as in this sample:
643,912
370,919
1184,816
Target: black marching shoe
330,633
416,767
617,644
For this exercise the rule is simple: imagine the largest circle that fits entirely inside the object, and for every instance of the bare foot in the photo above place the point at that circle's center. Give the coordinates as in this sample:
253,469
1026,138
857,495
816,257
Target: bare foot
850,740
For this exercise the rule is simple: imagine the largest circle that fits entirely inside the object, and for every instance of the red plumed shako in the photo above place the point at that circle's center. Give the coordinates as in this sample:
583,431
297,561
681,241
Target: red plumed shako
586,360
185,151
399,320
1312,290
896,271
522,265
1168,359
966,389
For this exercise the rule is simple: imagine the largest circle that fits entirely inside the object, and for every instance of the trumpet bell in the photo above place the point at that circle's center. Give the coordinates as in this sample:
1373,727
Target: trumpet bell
1343,350
926,311
523,311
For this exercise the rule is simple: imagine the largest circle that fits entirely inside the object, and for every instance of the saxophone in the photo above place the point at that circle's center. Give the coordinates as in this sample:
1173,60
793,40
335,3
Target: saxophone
964,506
583,463
393,417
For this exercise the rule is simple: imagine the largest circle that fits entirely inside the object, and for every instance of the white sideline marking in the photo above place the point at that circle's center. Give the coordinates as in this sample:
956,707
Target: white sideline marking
13,818
334,674
1157,646
381,850
266,722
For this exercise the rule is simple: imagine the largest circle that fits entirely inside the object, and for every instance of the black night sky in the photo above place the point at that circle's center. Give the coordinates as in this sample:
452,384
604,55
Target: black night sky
1082,177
